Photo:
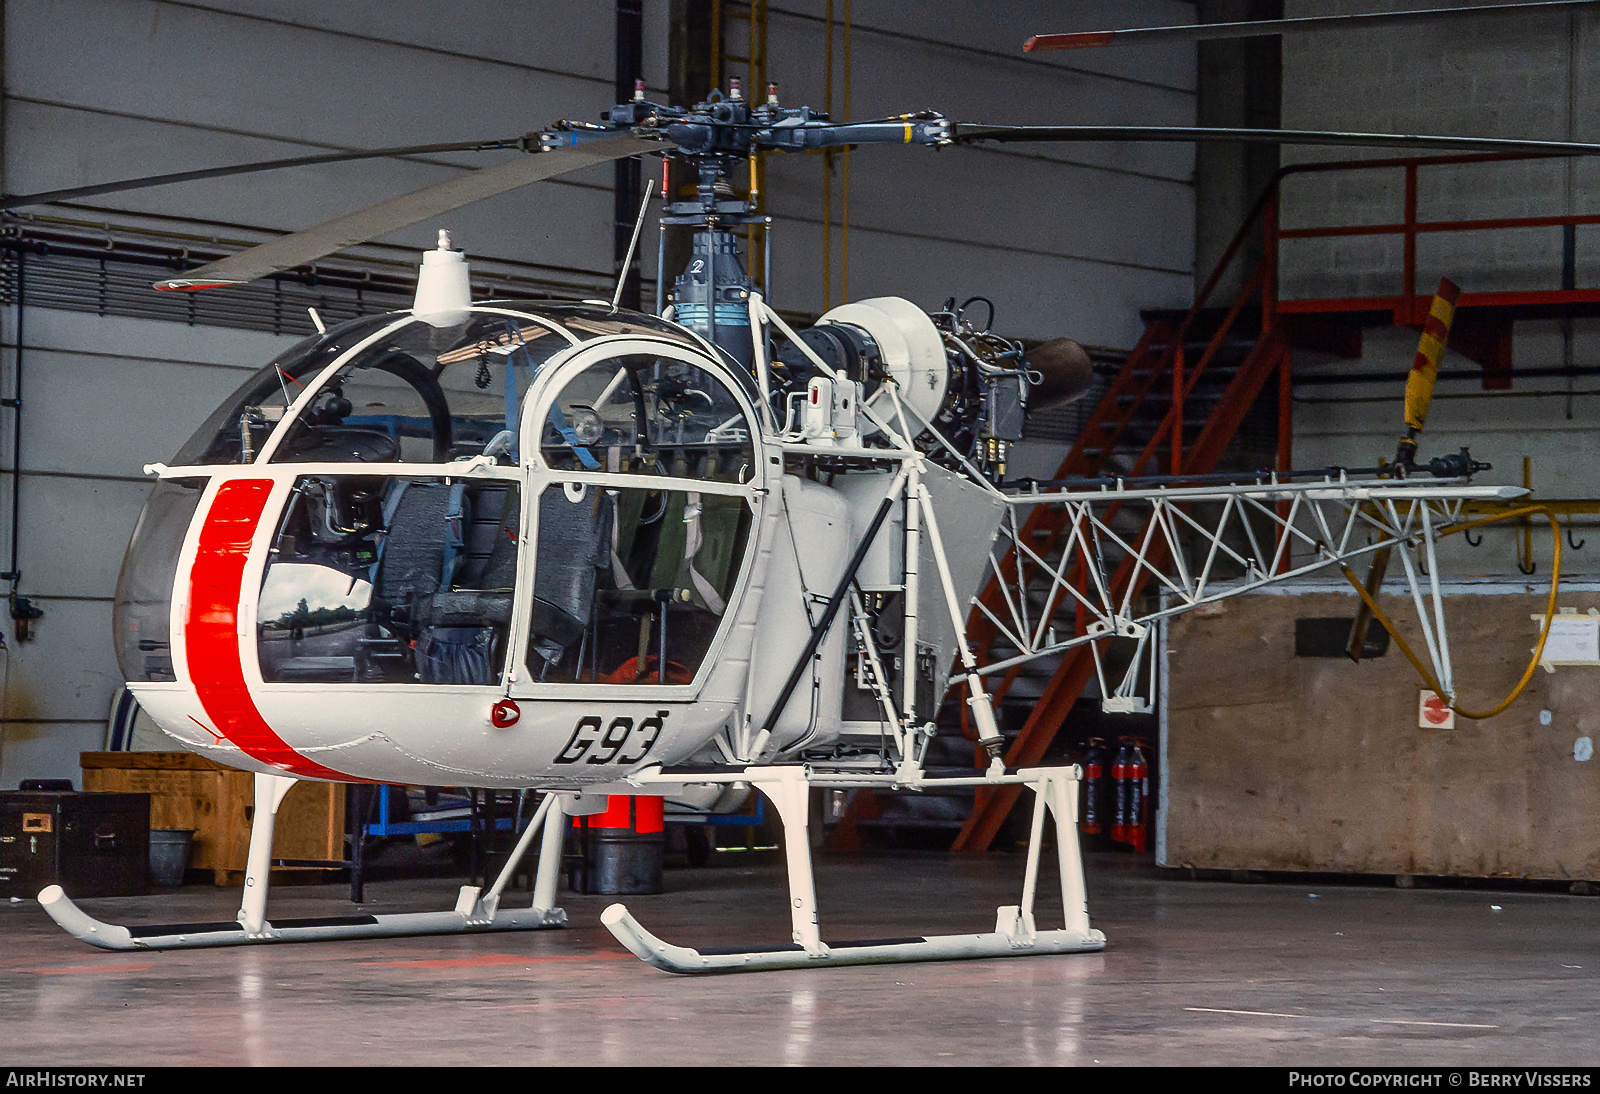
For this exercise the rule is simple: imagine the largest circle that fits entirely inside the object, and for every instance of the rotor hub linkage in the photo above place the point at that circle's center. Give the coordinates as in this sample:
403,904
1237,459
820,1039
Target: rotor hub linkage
1456,465
731,128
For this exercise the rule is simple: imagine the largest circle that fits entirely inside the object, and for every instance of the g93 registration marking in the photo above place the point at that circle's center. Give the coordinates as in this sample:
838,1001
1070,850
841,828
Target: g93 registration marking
622,742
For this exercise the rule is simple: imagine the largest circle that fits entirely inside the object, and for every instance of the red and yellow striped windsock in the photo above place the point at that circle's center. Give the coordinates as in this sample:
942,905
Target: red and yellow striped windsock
1425,367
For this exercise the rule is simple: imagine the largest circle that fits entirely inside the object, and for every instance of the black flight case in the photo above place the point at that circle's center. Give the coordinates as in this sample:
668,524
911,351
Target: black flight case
89,844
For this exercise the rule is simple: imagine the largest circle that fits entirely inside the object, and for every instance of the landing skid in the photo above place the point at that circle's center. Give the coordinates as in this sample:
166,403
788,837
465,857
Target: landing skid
474,912
171,936
1015,933
883,951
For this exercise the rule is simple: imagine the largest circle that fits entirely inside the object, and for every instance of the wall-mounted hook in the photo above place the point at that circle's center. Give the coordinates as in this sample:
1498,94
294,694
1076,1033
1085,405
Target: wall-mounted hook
1576,545
1467,535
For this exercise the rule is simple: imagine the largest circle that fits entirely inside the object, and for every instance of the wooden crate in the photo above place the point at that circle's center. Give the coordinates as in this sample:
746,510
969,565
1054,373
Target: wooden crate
1277,762
217,802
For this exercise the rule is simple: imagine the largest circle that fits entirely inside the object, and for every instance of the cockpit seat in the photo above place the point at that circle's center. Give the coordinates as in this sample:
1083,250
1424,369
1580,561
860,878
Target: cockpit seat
422,547
426,523
458,655
574,544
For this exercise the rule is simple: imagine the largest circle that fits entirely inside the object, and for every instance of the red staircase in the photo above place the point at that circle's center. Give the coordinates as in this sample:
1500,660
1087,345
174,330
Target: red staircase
1157,371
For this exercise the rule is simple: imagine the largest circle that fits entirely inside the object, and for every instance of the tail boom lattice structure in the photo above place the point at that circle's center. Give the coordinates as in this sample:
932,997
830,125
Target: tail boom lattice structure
1270,532
1265,532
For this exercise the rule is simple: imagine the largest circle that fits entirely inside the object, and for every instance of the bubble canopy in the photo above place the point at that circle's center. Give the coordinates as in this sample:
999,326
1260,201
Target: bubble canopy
387,389
559,496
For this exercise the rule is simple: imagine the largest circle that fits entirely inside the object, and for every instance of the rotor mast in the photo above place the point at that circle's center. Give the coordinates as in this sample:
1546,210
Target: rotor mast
711,294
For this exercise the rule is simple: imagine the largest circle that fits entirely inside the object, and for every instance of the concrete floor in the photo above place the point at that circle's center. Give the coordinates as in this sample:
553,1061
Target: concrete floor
1195,972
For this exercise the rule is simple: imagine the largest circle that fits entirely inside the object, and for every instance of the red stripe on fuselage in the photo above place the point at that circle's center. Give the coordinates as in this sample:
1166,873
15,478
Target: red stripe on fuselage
211,634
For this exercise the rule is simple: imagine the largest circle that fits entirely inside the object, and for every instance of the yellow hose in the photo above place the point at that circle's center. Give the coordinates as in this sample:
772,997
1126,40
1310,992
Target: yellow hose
1544,631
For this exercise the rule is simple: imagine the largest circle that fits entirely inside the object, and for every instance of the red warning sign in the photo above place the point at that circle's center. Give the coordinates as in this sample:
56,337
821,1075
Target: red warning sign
1434,713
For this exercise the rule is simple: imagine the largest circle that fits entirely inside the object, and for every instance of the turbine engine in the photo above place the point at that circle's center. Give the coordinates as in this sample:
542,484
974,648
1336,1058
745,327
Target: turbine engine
974,386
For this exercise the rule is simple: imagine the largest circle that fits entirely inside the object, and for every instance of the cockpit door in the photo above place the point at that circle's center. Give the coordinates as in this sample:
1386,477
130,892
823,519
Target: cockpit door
643,487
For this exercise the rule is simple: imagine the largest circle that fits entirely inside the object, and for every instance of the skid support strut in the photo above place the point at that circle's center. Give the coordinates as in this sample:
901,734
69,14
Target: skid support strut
1015,933
474,910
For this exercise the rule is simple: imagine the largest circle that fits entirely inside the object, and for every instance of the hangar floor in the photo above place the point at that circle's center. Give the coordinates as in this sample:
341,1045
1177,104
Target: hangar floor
1194,972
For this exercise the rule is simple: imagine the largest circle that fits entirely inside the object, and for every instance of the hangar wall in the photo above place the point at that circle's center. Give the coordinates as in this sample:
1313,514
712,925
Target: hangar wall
1521,77
1066,241
1278,759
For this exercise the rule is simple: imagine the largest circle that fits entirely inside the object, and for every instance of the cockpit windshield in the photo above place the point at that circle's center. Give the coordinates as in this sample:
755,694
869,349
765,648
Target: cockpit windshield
379,575
425,394
238,428
652,415
588,321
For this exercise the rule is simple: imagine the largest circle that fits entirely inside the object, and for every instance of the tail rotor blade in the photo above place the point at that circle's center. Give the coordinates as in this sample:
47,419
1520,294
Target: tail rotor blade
1419,395
407,209
1425,367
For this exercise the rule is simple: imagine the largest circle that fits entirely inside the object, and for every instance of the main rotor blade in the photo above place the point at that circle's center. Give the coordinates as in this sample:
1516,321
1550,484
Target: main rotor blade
16,201
407,209
1200,32
968,134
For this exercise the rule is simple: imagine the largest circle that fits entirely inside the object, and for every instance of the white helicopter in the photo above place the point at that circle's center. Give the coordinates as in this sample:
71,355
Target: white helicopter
592,551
